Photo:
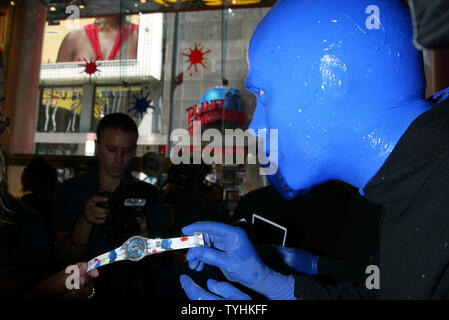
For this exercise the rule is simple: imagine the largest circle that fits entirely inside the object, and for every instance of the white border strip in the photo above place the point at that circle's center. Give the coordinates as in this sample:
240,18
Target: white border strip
272,223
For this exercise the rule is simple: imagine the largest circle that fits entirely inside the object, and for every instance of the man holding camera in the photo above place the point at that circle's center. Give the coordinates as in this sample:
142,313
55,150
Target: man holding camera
82,210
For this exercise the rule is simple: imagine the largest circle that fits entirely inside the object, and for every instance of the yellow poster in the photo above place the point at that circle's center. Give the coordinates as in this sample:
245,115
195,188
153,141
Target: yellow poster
65,99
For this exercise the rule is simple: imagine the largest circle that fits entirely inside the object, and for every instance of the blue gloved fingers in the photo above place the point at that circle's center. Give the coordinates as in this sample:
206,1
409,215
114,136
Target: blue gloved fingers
194,291
222,236
226,290
196,265
209,256
234,254
193,264
282,249
288,254
200,266
290,257
299,260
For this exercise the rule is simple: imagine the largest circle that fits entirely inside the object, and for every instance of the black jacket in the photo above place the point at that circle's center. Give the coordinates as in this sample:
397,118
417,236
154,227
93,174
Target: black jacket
332,221
413,189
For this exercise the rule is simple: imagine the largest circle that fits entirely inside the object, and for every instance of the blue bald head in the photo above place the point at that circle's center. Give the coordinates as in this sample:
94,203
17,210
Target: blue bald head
341,81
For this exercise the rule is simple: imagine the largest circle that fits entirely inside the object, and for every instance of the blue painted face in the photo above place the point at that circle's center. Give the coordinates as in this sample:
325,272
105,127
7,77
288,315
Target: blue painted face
340,81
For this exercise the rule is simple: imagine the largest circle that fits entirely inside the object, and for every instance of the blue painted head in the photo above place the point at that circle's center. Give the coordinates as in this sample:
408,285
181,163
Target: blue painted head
230,95
341,81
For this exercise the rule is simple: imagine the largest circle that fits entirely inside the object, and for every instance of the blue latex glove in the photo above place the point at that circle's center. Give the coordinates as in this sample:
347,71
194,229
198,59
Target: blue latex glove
222,290
299,260
233,253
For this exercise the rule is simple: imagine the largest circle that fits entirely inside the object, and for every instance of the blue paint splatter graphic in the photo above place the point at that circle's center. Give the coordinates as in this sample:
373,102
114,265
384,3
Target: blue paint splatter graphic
141,104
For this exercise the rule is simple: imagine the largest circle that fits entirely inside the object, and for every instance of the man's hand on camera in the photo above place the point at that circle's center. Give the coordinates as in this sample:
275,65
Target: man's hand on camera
94,214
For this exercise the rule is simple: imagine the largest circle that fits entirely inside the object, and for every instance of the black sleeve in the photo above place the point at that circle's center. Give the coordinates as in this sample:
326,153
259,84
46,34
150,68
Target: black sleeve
309,288
339,271
329,270
32,237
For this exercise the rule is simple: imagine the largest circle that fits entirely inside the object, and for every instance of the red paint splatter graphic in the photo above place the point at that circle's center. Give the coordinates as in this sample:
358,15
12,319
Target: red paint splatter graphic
184,239
195,57
90,68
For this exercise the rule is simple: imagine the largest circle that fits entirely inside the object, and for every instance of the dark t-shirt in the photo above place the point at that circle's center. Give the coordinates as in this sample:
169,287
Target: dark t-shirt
70,200
121,280
332,221
24,252
42,204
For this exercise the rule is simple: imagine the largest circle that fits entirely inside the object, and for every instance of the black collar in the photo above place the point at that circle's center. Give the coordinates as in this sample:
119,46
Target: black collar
422,149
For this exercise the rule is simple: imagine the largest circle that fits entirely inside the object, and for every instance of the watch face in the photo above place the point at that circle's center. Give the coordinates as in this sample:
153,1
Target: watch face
136,248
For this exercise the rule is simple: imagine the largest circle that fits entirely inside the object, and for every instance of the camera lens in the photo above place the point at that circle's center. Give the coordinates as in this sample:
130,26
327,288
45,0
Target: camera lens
105,204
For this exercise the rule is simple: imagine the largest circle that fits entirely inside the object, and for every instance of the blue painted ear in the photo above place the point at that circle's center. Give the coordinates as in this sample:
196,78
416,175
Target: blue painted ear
327,79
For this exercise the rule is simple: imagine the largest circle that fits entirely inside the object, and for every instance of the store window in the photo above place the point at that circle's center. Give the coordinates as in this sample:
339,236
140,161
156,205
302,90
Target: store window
57,149
59,109
113,99
145,80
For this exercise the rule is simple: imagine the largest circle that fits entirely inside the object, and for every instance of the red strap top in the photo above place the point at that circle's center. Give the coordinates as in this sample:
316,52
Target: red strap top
92,33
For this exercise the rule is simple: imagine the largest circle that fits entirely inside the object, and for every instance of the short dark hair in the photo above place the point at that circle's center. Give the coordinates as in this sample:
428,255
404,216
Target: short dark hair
118,121
39,175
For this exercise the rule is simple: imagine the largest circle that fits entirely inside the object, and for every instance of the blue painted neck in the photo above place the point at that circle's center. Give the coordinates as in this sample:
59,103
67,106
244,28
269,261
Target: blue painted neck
368,153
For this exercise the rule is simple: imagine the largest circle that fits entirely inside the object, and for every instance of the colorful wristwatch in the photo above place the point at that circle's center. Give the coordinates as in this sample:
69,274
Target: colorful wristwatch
137,247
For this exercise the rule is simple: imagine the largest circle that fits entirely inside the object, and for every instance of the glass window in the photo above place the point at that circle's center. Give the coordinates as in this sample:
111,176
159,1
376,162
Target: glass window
59,109
130,100
58,149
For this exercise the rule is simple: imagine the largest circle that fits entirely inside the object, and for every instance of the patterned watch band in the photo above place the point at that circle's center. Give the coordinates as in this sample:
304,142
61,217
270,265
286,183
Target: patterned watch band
137,247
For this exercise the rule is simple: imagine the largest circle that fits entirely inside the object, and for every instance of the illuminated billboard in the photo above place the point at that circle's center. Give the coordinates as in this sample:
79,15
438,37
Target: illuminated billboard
102,38
103,48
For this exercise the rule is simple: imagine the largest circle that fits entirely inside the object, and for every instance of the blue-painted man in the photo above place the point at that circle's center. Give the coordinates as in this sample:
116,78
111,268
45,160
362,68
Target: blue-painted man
343,84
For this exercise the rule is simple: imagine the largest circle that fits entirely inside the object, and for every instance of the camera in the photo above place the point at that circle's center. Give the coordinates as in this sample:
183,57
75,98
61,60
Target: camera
127,203
105,205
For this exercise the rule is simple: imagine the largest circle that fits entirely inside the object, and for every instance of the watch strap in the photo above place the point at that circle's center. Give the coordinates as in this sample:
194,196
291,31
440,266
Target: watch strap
117,254
153,246
161,245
